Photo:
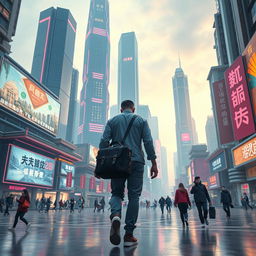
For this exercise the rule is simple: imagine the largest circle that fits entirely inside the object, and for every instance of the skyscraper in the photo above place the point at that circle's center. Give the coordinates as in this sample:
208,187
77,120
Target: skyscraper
9,12
184,129
94,98
128,87
53,57
73,109
211,134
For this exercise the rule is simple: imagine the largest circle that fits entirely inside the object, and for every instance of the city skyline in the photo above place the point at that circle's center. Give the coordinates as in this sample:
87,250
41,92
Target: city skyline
158,58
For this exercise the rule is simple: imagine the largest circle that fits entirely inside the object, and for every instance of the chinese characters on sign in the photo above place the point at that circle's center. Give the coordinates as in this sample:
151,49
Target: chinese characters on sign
30,168
223,112
245,152
218,163
213,181
239,100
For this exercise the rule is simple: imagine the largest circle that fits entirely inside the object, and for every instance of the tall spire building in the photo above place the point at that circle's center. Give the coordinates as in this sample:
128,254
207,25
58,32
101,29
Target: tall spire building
128,85
94,98
184,125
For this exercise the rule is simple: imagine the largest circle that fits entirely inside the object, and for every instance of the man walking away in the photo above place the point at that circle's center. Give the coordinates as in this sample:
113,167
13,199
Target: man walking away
201,196
48,204
102,203
168,204
114,132
8,203
246,200
96,205
162,204
226,200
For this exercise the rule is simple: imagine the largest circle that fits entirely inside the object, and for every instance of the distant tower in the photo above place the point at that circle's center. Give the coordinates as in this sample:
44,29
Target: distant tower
184,127
94,98
128,87
53,57
73,109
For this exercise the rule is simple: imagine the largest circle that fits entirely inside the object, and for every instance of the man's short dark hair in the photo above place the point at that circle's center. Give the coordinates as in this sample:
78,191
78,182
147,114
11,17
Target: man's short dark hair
127,104
197,178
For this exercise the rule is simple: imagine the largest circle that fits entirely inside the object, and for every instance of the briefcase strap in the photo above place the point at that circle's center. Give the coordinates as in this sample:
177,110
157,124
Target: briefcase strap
128,129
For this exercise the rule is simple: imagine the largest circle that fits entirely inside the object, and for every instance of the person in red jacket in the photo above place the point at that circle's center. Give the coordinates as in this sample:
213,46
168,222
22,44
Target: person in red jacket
24,203
183,202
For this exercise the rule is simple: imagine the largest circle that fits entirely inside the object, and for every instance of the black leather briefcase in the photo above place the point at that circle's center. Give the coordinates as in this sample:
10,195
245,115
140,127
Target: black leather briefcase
115,161
212,212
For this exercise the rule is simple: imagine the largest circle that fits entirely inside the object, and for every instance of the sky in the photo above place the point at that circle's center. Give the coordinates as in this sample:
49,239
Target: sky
164,29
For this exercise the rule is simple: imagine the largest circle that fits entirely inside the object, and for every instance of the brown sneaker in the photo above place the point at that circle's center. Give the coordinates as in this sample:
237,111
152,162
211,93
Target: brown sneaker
115,237
130,240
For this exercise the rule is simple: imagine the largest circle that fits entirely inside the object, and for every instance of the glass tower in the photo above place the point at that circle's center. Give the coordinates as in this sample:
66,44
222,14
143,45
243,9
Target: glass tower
53,57
94,98
128,88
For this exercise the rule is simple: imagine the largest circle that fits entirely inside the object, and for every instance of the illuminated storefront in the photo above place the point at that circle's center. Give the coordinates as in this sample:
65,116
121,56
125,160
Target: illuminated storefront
244,158
30,153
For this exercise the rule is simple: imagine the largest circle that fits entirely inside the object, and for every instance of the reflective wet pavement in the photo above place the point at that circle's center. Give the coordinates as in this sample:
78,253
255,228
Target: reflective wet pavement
87,233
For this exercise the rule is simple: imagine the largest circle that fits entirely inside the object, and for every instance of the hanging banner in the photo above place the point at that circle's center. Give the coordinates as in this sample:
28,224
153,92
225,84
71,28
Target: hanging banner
239,100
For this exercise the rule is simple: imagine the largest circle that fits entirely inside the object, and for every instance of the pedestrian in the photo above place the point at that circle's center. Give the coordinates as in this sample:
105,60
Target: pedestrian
42,204
247,202
72,204
1,204
8,204
37,203
168,204
162,204
55,205
114,132
102,203
226,200
61,204
48,204
80,204
96,205
183,202
201,196
24,204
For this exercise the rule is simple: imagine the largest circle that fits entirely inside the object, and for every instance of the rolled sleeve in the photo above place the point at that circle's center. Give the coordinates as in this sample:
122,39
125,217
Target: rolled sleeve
148,142
106,137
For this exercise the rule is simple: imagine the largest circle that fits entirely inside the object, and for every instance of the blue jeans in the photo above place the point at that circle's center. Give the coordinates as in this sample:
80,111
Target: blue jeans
134,186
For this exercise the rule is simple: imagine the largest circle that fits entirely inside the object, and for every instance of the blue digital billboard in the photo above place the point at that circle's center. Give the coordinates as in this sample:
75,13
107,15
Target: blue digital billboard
29,168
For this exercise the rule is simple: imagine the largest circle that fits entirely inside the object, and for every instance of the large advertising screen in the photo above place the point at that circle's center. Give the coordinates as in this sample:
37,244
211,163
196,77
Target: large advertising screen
250,59
67,168
222,112
239,100
63,184
22,96
29,168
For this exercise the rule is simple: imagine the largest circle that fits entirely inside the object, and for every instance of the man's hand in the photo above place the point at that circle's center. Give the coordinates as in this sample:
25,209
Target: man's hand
153,171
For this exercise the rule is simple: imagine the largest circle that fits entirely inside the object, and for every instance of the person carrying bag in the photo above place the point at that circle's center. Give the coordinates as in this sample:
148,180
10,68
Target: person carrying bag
116,160
124,162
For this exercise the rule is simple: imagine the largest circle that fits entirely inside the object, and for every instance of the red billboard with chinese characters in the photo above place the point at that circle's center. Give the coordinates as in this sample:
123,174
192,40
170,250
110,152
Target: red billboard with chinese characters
239,100
222,112
82,181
